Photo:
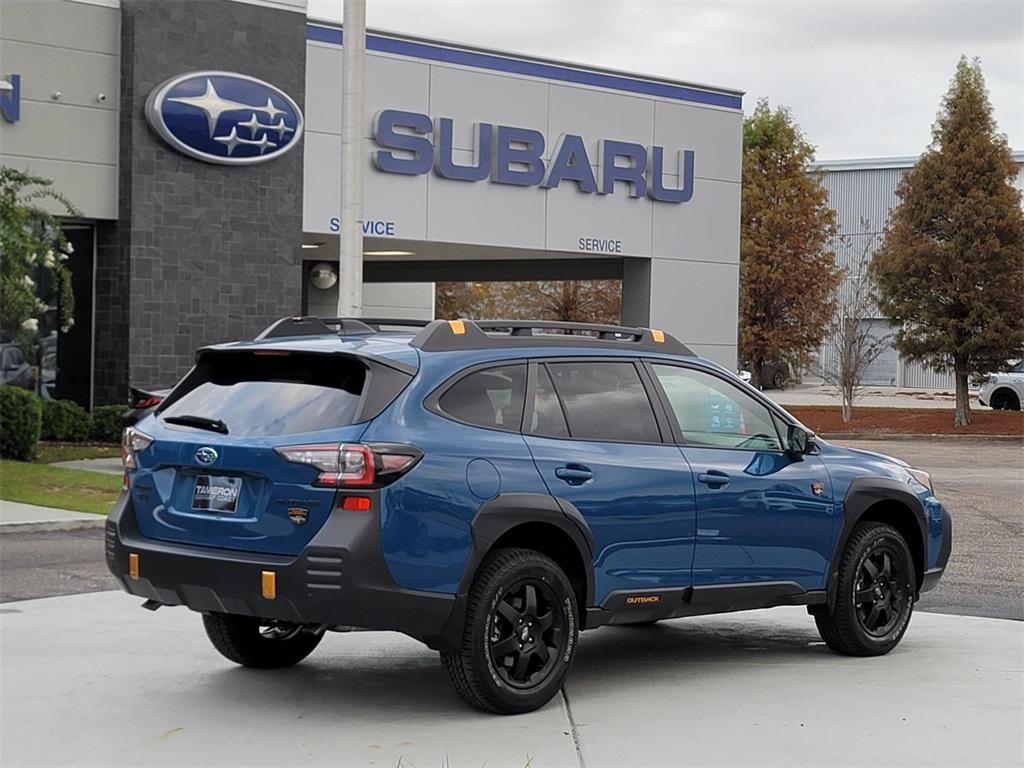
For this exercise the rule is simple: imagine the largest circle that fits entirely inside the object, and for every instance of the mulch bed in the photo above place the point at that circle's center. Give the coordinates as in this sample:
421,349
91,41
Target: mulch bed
908,421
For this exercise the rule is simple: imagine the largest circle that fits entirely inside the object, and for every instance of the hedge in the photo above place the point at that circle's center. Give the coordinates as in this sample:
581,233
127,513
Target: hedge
65,420
107,423
21,415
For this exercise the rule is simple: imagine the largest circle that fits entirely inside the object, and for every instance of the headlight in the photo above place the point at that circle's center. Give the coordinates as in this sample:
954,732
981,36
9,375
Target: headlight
132,442
922,477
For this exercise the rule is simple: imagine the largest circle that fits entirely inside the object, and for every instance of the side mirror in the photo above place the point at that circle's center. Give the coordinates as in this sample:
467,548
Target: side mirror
798,441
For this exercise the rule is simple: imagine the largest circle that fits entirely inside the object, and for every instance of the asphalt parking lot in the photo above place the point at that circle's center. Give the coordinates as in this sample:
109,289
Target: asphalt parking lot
982,485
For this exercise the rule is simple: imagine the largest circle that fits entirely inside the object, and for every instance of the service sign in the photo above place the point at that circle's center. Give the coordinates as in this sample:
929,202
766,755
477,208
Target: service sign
224,117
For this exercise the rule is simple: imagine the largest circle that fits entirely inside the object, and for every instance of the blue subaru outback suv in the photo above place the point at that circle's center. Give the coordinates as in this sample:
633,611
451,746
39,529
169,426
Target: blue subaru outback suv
492,488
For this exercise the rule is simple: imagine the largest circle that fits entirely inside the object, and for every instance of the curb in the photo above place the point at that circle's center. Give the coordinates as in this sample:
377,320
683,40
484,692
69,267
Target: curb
1010,439
52,525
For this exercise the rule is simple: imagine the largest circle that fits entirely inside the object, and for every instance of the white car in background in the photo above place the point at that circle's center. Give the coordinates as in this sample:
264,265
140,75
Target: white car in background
1004,391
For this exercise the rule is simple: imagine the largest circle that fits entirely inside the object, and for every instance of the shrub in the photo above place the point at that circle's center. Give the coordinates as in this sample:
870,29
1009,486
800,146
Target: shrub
20,422
54,420
107,423
65,420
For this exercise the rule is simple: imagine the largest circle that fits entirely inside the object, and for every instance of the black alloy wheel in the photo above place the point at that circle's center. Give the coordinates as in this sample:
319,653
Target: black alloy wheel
519,635
527,633
874,594
879,594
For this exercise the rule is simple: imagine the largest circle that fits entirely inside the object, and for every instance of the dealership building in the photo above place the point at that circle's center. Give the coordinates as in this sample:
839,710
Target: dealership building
200,143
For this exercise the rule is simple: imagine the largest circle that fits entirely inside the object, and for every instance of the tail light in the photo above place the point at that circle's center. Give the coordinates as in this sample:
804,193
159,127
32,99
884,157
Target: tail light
348,465
140,399
132,443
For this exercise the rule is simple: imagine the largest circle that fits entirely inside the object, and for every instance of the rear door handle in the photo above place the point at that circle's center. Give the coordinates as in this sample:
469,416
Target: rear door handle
713,477
574,474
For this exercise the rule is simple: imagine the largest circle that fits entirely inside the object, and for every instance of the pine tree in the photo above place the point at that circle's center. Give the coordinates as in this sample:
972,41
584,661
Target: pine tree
951,268
788,275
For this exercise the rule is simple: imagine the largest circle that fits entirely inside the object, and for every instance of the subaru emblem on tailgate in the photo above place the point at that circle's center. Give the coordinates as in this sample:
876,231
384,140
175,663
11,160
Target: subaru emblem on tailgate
206,455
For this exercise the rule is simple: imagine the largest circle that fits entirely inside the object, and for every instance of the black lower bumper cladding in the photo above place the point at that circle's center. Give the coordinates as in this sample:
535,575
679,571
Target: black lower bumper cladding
339,579
932,575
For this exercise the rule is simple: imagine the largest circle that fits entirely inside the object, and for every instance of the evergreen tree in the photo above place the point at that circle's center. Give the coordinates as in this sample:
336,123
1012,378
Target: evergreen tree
951,269
788,275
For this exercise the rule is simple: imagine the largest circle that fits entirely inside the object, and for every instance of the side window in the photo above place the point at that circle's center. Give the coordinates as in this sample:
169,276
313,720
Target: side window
490,398
547,419
715,413
605,401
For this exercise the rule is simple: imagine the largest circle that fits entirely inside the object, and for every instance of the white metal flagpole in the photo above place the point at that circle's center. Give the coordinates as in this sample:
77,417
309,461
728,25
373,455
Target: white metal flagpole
350,265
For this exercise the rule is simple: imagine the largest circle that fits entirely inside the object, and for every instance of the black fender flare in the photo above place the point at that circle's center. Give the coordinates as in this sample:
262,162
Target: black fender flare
864,493
507,511
500,515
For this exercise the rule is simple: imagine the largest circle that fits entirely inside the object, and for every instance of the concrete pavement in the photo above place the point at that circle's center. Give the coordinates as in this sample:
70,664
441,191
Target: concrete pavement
15,516
869,397
94,680
107,466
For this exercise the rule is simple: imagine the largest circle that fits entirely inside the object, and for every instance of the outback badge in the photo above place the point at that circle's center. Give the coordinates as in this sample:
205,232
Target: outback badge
298,515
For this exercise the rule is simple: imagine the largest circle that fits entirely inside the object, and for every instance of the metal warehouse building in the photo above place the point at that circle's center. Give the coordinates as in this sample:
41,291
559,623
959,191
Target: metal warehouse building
170,126
863,193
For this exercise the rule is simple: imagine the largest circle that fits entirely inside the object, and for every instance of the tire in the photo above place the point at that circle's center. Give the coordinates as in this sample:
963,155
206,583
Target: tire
520,634
1005,400
778,380
259,643
871,612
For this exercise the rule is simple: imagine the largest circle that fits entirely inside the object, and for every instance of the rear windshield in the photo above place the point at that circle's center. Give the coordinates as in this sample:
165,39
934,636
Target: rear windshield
271,394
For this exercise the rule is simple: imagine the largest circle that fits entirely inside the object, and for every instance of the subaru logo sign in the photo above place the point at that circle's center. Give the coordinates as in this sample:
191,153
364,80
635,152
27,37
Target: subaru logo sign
206,455
224,117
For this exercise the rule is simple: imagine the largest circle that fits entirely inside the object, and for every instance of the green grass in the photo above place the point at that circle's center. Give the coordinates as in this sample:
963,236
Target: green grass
73,489
48,453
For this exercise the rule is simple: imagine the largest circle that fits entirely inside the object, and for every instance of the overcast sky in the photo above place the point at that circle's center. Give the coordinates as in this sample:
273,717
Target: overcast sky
864,79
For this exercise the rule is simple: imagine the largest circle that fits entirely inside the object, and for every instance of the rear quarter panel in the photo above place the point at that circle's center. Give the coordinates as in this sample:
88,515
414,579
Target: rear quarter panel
426,515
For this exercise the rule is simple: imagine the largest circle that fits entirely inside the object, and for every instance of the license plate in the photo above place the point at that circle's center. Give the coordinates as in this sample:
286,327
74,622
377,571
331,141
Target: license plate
214,493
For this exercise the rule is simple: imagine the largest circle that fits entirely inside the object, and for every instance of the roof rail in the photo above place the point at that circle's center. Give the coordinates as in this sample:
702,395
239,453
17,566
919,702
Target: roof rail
449,335
342,326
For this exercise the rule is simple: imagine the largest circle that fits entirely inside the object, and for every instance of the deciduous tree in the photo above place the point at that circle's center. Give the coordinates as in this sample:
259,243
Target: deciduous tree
591,301
33,256
852,346
787,272
951,269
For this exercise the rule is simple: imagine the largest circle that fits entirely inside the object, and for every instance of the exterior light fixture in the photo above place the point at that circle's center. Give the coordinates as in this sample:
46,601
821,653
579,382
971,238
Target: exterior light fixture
323,275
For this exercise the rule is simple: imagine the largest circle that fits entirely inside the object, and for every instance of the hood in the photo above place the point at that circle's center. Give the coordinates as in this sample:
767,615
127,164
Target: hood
831,450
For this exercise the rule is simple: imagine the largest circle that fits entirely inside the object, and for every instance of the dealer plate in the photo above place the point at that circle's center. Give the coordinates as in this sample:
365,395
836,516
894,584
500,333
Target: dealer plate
216,493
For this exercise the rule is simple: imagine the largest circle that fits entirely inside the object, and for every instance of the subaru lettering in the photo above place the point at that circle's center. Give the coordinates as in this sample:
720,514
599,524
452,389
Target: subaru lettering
412,144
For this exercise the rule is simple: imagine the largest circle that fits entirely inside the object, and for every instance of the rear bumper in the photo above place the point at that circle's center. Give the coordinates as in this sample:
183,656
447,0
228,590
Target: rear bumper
340,578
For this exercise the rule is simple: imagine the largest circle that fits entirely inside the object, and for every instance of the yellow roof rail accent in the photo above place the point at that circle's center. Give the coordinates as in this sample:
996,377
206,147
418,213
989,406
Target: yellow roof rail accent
658,336
458,327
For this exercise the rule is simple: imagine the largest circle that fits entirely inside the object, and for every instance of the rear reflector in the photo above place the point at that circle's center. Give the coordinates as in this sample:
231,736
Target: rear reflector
356,503
133,565
268,585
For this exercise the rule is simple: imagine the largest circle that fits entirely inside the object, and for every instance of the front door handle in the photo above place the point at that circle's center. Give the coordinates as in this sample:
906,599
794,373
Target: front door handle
574,474
714,478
